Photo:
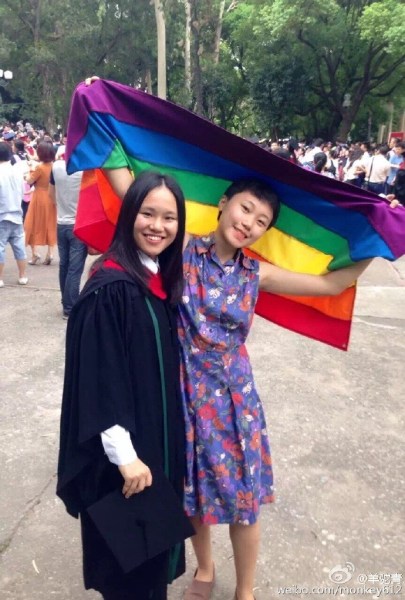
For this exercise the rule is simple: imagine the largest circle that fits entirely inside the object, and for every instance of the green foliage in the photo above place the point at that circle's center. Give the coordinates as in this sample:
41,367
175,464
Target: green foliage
60,44
285,66
224,89
347,50
384,21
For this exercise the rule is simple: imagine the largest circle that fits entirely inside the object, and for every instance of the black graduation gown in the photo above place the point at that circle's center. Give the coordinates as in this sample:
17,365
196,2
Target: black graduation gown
112,377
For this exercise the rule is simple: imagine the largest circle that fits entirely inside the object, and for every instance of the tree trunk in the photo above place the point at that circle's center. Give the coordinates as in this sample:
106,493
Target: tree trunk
197,75
62,118
187,48
148,81
347,119
48,103
37,23
161,48
218,32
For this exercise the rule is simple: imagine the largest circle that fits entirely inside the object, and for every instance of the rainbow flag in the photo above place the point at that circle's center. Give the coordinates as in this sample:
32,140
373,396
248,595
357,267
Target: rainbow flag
323,225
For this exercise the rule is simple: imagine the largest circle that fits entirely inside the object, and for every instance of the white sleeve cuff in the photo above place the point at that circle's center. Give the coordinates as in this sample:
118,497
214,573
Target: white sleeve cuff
118,445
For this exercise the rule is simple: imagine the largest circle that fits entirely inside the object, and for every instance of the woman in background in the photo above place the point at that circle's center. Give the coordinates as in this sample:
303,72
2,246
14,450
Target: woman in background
40,222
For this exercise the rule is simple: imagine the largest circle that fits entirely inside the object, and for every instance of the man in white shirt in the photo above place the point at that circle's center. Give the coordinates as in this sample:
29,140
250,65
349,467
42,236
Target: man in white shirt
11,227
377,171
64,190
316,148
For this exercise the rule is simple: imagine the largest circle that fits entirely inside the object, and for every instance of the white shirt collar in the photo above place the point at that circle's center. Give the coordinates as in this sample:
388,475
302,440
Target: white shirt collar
148,262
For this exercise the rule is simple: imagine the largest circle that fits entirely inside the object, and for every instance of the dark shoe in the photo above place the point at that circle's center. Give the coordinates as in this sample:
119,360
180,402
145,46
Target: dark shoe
48,260
65,316
199,590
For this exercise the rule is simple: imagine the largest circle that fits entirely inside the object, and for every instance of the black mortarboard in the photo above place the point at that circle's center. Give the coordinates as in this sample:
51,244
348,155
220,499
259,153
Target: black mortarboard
142,526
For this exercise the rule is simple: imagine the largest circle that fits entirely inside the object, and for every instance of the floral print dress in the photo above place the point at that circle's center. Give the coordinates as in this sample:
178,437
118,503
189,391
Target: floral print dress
229,471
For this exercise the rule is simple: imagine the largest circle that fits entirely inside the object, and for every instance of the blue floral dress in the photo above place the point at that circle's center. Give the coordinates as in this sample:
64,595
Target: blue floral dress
229,471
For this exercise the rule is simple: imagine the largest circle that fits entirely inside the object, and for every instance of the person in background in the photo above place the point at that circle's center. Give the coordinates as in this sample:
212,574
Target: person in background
40,222
391,145
11,228
31,146
315,148
294,150
365,147
377,171
398,195
22,165
354,169
334,157
282,153
395,160
64,191
321,165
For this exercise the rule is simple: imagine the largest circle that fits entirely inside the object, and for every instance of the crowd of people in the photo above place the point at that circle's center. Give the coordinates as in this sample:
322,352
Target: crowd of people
38,203
379,168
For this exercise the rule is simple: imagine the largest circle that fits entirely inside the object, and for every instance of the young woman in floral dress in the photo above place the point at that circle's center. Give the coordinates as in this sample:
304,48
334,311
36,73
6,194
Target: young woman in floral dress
229,473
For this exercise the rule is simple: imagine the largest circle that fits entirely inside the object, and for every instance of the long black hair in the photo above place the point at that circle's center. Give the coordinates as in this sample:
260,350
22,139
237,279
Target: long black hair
123,248
258,188
320,160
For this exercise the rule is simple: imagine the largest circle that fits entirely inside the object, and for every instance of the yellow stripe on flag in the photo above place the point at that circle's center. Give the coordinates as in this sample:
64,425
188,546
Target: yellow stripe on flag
287,252
200,218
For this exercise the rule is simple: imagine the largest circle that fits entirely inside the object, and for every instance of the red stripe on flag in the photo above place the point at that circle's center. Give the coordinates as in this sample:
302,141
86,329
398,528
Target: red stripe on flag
304,319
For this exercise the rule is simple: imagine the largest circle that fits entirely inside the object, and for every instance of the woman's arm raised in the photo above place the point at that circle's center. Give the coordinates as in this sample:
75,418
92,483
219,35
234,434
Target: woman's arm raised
120,180
280,281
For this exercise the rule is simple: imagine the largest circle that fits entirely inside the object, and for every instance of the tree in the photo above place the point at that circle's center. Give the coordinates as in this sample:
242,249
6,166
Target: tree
352,49
55,44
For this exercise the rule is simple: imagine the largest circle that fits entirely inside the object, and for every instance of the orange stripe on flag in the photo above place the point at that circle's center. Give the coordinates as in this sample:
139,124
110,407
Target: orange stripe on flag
111,202
338,307
88,178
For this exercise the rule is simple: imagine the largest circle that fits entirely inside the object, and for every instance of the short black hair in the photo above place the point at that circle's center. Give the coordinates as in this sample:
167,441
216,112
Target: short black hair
281,152
123,248
19,145
260,189
402,146
5,152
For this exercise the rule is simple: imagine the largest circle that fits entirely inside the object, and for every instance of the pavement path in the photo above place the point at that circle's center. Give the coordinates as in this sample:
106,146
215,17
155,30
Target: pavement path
336,422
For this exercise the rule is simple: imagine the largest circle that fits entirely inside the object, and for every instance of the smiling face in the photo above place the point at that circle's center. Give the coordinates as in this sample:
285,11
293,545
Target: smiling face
244,219
156,223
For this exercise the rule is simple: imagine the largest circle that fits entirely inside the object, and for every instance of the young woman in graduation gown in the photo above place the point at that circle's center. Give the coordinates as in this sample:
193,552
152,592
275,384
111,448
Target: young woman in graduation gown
122,421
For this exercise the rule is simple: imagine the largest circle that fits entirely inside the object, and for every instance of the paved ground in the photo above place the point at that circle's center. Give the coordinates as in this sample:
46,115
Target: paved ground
337,427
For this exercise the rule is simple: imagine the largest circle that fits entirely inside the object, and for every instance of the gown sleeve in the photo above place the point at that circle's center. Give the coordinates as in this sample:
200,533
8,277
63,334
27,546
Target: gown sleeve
97,391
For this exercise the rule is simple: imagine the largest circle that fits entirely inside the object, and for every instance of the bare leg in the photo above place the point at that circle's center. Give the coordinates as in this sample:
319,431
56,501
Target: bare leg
245,542
49,256
21,267
202,548
34,256
1,270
